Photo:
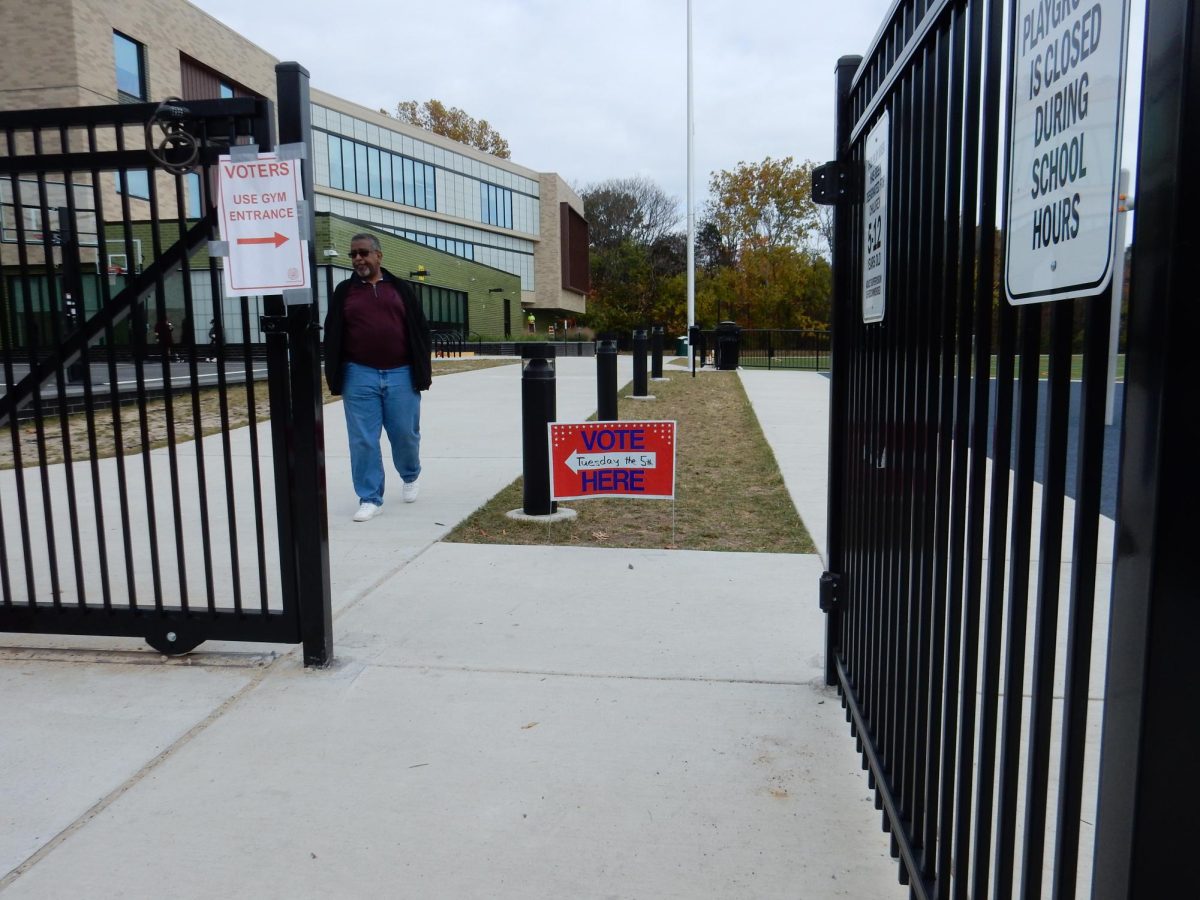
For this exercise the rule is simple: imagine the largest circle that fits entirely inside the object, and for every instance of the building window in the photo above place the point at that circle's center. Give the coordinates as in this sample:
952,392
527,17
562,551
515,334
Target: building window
192,180
496,205
373,172
225,91
138,181
130,57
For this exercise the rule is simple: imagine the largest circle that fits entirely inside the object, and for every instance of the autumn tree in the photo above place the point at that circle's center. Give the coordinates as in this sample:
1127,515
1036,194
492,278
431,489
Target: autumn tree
767,204
759,230
454,123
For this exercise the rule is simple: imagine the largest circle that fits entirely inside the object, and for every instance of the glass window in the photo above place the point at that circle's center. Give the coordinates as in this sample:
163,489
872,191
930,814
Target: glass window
360,168
397,165
130,57
335,161
193,195
138,181
348,166
419,172
225,91
385,174
430,188
410,191
373,185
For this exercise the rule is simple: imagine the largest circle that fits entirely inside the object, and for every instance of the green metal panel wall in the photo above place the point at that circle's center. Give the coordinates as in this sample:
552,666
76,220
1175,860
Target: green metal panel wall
401,256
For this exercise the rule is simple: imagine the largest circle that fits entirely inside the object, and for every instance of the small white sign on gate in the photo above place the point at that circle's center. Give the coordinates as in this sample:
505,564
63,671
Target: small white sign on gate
259,204
1064,138
875,210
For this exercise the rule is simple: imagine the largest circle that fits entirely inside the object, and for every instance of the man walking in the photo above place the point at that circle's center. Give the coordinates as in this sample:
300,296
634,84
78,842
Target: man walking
377,357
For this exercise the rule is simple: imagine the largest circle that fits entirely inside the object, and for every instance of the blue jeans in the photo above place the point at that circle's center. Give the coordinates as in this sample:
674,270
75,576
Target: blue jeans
375,399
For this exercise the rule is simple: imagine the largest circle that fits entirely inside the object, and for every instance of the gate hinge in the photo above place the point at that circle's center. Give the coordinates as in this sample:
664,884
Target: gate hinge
837,183
830,582
273,324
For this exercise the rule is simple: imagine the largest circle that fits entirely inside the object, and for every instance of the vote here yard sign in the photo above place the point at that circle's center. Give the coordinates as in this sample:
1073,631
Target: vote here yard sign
612,459
260,221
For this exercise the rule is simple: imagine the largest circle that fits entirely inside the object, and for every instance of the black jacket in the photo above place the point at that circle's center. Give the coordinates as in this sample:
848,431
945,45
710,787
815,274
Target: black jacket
417,326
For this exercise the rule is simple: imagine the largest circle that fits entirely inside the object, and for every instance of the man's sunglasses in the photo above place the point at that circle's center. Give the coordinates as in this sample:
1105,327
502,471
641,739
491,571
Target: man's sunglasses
362,253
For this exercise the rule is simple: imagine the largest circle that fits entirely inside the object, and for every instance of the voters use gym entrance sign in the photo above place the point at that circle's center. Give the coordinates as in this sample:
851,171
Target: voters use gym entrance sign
612,459
1066,103
259,205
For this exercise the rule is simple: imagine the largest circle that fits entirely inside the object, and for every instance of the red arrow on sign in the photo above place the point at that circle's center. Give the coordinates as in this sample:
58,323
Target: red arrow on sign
277,240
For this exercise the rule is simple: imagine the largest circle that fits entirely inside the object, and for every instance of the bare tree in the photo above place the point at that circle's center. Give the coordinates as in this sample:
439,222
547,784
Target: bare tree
628,209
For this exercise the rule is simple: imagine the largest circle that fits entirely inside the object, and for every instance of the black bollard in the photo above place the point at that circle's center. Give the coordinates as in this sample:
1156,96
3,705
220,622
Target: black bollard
656,352
606,378
538,410
639,362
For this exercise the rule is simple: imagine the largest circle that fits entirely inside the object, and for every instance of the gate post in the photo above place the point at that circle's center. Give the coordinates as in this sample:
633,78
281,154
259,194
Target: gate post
842,309
310,523
1146,828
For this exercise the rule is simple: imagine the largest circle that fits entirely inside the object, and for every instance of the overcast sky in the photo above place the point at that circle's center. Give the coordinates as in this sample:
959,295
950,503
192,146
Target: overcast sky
591,89
597,89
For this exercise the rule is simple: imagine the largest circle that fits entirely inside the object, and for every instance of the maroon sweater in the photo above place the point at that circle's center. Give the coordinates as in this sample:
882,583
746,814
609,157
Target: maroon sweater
375,330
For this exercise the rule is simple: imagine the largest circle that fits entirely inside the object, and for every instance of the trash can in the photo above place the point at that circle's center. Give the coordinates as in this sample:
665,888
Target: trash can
681,348
729,336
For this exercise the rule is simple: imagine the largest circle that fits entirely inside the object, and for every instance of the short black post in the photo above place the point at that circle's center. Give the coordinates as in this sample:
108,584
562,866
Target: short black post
639,362
656,351
606,378
538,410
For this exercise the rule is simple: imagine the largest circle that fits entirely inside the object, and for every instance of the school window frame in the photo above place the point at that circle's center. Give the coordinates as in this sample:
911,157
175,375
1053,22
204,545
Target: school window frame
335,161
129,64
348,166
373,186
137,181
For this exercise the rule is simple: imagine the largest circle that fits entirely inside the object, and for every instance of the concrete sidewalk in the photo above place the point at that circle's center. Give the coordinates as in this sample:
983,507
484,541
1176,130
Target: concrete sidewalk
501,721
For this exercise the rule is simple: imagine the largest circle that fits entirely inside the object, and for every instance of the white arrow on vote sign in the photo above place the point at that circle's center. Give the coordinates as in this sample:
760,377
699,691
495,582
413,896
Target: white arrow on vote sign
642,459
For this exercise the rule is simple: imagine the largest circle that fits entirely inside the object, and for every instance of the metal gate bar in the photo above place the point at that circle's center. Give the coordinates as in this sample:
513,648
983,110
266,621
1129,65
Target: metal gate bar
157,594
931,544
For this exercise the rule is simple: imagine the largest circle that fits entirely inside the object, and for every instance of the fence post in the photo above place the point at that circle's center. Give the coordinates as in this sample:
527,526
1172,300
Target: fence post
538,410
1146,828
656,352
606,379
841,311
310,524
639,363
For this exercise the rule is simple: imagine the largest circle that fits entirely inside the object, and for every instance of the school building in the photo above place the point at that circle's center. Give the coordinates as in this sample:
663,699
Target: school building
495,241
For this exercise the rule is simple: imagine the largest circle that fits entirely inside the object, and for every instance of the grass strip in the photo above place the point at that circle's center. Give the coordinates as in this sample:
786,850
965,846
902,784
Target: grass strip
729,493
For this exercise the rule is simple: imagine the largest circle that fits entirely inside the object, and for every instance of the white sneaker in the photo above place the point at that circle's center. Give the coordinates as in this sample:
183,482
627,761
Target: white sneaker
409,491
367,511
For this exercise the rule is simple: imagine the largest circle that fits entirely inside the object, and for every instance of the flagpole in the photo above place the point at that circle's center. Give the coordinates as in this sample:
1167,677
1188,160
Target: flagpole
691,214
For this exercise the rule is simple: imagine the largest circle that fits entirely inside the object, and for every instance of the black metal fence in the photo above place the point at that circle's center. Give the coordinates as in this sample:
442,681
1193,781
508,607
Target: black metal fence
131,502
969,589
784,349
770,348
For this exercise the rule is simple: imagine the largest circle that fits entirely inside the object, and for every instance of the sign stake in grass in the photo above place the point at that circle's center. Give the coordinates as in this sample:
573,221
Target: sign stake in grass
728,494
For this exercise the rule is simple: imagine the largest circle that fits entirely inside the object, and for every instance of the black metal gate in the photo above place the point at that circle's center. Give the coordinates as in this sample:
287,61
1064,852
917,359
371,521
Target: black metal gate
969,591
161,478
